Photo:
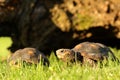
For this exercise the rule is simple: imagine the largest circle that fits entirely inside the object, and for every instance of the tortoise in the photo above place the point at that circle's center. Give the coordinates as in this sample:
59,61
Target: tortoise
27,55
86,52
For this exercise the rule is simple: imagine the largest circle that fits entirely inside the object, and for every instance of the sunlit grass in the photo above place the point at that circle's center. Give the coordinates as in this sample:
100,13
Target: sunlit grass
58,70
5,42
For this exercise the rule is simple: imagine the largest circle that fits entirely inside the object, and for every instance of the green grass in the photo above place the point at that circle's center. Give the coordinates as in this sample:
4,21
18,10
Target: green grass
60,71
5,42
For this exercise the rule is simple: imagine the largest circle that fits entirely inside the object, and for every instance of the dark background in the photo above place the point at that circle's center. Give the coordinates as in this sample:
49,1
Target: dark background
52,24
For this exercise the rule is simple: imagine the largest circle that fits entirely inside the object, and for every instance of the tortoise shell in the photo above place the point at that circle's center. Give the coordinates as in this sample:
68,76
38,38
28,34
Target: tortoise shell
27,55
95,51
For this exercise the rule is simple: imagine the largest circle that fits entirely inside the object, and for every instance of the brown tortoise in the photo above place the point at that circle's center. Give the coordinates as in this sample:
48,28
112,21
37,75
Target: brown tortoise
86,52
27,55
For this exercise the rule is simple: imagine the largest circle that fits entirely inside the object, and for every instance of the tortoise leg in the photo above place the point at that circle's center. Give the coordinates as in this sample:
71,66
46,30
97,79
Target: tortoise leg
89,62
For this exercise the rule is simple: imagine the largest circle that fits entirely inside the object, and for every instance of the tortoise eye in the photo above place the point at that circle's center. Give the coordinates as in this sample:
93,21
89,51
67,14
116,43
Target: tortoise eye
62,51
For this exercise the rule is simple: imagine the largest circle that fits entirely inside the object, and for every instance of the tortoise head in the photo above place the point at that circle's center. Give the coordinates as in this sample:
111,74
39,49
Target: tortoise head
65,54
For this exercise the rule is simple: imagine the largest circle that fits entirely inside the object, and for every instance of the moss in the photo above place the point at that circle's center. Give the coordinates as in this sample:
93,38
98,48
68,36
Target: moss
82,22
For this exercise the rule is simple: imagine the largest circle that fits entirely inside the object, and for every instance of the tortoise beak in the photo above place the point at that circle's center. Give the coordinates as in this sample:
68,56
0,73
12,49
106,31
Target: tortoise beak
59,53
